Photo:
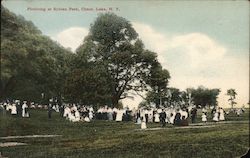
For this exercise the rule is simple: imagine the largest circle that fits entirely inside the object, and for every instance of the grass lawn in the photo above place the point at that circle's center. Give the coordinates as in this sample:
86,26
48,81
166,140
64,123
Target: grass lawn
124,139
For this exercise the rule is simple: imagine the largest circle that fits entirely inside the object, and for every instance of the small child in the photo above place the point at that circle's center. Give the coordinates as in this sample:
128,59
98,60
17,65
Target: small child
204,117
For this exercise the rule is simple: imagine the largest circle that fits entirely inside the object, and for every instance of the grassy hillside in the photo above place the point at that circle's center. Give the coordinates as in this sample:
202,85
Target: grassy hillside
112,139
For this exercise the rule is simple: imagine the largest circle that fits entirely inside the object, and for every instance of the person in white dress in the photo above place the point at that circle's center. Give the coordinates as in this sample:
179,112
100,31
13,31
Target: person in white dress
168,115
24,110
204,117
216,116
171,118
77,116
13,109
150,115
222,116
66,111
157,117
119,115
143,122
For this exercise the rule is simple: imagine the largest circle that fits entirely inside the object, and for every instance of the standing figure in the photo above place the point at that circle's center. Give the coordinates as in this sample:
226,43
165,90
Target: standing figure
204,117
157,117
163,118
216,116
143,122
119,115
138,117
13,109
193,114
61,110
177,119
222,116
50,108
25,109
146,115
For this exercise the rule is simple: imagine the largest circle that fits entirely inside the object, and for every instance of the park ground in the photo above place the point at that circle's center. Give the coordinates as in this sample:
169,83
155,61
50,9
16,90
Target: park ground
123,139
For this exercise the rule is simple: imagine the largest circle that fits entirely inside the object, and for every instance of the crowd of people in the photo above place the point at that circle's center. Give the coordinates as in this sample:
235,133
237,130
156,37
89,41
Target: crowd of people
16,108
76,113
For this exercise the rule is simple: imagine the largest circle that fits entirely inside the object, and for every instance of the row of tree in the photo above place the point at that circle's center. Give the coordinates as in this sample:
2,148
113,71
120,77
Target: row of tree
110,65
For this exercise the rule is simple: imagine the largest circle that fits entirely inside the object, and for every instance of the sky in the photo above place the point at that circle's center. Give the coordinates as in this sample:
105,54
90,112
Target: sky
198,42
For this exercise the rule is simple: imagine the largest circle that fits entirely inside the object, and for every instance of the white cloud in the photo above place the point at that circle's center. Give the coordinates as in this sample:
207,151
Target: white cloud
195,59
71,37
200,48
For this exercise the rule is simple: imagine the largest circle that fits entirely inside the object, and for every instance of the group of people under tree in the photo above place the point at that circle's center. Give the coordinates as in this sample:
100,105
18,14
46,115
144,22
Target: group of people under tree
164,115
15,108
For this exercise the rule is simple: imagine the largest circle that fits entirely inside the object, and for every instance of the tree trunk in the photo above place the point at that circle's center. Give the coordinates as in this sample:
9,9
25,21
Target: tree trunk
115,101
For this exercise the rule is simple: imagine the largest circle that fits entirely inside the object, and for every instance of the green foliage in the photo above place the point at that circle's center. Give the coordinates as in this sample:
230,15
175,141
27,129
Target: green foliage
204,96
232,94
31,63
113,43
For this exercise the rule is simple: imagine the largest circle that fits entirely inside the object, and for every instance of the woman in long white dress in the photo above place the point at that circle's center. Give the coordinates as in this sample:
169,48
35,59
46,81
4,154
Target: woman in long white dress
157,117
119,115
143,122
168,115
172,116
204,117
216,117
24,109
222,116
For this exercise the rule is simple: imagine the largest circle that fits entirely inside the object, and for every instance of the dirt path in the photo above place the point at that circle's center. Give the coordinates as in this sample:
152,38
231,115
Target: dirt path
30,136
8,144
196,125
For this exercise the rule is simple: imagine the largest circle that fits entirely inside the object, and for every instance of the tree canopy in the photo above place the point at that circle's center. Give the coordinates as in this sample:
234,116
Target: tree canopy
113,45
203,96
31,63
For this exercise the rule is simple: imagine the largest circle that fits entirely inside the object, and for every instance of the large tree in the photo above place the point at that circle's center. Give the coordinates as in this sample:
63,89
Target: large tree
203,96
31,63
158,81
232,94
113,43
